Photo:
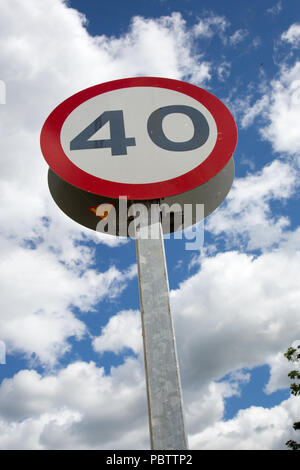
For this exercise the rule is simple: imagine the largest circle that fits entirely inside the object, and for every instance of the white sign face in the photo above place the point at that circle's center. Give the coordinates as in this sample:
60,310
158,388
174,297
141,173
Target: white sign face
142,161
143,138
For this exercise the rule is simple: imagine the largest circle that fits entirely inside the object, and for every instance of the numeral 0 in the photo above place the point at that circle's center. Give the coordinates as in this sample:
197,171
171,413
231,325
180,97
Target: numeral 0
118,142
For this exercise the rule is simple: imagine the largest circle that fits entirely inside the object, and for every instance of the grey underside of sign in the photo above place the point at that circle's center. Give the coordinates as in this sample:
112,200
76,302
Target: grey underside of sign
166,420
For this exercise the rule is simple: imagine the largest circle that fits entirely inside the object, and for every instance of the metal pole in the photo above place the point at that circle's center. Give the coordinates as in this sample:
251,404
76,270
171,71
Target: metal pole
166,421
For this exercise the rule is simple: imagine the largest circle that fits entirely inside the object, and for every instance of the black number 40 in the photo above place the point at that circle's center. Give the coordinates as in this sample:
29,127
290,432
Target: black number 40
118,141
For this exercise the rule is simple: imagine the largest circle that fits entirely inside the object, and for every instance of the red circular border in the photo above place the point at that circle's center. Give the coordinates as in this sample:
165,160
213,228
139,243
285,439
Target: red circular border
63,167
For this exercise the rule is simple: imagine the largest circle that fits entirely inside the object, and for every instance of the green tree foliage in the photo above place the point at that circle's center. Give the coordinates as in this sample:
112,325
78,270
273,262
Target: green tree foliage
293,355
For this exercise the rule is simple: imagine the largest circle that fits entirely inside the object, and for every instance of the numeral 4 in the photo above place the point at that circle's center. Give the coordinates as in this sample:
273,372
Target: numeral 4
117,142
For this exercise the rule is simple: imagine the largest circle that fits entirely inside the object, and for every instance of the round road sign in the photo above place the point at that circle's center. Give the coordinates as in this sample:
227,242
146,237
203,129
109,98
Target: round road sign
81,206
143,138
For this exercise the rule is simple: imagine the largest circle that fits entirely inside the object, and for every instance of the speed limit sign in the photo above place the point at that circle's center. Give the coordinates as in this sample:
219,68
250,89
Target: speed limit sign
168,145
143,138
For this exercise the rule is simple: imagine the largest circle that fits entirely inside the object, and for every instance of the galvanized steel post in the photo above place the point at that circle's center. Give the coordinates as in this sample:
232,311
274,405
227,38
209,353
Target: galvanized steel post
166,420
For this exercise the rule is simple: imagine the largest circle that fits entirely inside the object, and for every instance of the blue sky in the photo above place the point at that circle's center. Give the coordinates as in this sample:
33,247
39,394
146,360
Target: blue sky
74,375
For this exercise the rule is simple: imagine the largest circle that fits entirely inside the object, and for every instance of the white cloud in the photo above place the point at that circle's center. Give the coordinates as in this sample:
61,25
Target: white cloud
292,35
251,112
79,408
284,112
82,408
205,407
140,51
213,24
276,9
279,106
280,109
236,312
255,428
238,36
26,434
38,294
280,367
246,216
122,331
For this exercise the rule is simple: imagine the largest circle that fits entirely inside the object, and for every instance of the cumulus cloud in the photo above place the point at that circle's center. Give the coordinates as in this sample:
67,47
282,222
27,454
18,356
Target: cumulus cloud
246,217
122,331
79,408
239,309
272,425
279,107
243,219
82,408
280,367
279,103
292,35
38,297
283,113
235,312
140,51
